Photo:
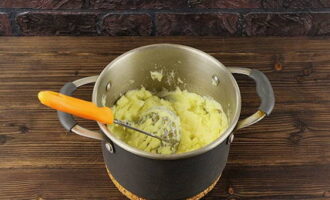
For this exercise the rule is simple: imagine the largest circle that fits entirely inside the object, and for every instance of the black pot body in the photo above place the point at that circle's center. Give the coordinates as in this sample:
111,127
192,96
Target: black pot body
166,179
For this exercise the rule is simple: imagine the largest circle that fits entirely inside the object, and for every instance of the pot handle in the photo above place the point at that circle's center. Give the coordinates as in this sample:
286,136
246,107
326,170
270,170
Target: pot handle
67,120
264,91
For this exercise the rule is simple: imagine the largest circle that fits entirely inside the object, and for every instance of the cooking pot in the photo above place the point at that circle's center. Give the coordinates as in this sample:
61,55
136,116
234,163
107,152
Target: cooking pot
140,174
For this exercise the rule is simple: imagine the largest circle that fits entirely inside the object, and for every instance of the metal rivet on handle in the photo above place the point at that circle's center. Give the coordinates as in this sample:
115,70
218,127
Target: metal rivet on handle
109,147
230,139
215,80
108,86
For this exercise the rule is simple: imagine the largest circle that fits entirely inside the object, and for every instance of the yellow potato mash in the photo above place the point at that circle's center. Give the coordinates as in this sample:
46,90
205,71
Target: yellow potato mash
156,75
202,119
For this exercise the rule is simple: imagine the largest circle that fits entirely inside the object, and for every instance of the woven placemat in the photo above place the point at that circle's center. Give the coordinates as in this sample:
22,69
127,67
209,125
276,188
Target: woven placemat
132,196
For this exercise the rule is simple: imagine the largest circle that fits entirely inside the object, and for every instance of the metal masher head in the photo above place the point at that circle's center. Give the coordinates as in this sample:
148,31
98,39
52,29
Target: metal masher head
158,122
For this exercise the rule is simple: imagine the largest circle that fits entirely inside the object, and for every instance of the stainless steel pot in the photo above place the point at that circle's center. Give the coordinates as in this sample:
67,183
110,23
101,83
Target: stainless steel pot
177,176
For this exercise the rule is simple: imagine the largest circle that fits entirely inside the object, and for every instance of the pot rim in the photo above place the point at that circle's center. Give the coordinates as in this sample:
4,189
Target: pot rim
196,152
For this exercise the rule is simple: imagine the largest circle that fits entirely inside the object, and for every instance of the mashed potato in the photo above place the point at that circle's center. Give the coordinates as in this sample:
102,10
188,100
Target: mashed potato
202,119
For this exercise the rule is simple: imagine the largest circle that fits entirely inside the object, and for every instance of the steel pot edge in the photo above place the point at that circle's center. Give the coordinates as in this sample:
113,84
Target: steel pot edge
202,150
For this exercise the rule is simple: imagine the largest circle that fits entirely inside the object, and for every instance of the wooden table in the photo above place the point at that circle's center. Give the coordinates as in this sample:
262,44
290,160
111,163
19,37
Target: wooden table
285,156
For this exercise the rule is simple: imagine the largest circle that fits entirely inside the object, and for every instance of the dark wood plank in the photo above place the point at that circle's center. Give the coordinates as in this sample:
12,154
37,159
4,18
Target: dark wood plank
267,182
237,182
285,156
54,183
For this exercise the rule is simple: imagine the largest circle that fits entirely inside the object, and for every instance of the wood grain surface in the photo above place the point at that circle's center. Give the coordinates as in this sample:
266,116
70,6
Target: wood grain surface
284,156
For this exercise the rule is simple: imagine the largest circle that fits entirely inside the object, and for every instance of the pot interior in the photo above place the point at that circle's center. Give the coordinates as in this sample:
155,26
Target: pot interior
196,69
